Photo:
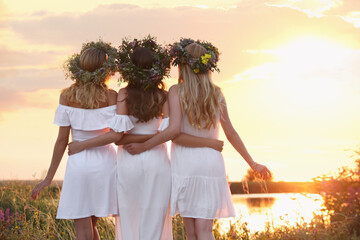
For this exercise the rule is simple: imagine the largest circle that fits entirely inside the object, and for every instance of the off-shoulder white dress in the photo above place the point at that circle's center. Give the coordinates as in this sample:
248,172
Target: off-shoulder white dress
199,185
89,187
144,184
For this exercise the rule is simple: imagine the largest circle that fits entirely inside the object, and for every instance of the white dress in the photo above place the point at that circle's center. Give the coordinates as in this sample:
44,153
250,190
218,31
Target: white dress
89,187
144,185
199,185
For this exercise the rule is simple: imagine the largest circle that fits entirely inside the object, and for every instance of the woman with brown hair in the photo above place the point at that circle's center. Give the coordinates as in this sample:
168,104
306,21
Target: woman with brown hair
85,107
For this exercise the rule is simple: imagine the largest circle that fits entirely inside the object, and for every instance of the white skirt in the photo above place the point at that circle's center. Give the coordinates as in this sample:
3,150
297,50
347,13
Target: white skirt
199,185
144,185
89,187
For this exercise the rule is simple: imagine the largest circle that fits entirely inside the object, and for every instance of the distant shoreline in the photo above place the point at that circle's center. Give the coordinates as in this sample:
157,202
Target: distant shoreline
275,187
235,187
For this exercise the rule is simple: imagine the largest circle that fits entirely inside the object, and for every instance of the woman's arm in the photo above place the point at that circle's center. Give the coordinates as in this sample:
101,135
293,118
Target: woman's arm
104,139
58,152
187,140
238,144
133,138
169,133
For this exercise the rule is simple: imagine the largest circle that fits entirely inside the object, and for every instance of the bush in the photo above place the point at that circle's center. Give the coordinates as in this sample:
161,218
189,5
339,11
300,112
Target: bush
341,194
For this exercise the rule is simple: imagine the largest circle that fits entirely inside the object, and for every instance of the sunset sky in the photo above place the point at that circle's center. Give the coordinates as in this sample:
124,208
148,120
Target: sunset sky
290,72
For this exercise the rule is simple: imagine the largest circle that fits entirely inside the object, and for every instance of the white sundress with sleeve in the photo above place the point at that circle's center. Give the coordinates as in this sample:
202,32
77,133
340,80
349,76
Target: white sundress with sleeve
89,187
144,185
199,184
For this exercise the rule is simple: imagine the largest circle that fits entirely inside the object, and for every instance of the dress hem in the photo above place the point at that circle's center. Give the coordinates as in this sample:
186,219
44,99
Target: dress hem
87,215
192,216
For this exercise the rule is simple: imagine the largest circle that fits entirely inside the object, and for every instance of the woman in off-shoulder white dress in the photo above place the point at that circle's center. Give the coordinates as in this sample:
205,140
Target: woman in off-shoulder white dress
85,109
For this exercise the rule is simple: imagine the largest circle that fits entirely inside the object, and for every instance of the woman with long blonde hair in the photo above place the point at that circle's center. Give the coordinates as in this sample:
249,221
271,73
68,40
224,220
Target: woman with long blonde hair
200,192
85,107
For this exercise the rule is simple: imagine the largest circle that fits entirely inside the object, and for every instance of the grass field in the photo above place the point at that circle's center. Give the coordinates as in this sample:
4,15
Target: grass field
23,218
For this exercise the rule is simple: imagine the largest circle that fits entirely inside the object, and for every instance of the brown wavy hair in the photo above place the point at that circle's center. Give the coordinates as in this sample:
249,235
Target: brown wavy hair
144,104
199,96
89,95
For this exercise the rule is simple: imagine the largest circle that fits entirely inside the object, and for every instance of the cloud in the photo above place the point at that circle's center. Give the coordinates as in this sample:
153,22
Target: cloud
353,17
11,100
312,8
3,14
251,25
16,59
348,10
32,79
9,96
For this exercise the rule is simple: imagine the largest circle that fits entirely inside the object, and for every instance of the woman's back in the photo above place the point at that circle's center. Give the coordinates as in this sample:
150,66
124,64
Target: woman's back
186,127
144,128
200,131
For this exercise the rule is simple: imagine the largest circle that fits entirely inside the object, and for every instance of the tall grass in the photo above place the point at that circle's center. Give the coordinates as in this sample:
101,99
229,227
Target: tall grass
22,218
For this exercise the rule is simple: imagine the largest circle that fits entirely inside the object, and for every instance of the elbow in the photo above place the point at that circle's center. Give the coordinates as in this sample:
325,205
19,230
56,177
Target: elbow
175,140
175,133
231,137
117,136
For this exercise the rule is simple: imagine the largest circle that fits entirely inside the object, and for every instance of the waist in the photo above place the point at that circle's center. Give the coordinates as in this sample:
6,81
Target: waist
81,135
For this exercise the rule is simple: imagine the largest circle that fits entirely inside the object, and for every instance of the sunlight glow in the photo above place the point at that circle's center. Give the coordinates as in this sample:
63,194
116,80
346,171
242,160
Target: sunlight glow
303,76
309,50
259,211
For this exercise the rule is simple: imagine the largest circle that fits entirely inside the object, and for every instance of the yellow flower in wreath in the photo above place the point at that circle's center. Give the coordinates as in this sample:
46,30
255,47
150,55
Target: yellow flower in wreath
196,70
205,58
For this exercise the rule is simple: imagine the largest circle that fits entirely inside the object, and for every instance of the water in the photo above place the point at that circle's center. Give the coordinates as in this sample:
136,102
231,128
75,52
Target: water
259,210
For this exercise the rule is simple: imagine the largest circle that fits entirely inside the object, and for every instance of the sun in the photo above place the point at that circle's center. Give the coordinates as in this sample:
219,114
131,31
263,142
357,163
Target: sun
307,72
313,52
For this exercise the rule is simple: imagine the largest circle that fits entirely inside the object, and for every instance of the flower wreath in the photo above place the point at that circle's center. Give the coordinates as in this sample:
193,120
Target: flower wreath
199,65
137,76
109,67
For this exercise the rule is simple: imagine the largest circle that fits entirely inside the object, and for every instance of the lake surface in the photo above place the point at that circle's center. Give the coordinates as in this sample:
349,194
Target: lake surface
260,210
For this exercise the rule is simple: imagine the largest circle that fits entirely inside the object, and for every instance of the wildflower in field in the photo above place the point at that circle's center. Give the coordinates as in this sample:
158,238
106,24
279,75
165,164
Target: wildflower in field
2,215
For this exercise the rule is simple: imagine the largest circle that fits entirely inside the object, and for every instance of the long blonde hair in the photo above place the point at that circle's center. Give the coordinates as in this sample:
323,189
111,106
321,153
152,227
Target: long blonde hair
88,95
199,97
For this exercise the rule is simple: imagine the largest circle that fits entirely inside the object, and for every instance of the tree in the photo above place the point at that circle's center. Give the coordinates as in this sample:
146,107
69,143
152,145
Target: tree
253,176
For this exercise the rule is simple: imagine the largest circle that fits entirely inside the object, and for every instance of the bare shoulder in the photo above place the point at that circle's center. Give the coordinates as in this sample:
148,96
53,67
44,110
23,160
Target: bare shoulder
220,94
173,90
112,97
63,100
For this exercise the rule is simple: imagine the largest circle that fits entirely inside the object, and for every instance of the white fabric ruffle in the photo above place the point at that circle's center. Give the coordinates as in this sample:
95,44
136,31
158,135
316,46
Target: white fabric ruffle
164,124
120,123
84,119
61,117
205,197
